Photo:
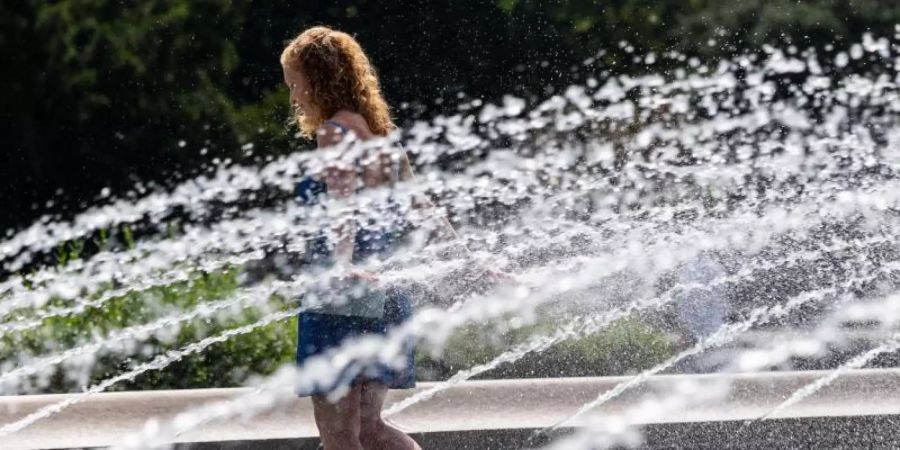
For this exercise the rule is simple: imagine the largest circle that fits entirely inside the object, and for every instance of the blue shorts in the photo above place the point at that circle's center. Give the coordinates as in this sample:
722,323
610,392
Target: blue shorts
318,333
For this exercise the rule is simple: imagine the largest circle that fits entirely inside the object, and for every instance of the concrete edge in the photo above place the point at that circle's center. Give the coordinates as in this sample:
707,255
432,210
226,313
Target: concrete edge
477,408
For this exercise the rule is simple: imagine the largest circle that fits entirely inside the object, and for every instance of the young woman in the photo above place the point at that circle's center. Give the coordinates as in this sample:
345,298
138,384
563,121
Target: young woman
335,93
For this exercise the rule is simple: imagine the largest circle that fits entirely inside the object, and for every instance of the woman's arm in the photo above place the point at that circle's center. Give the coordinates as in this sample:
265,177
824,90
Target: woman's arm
446,232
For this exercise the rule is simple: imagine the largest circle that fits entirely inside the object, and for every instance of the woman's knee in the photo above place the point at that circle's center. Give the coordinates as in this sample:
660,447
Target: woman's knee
341,417
371,431
337,428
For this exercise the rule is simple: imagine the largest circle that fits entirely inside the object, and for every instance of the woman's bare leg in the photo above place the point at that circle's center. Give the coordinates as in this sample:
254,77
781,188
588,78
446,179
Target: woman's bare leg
338,423
374,433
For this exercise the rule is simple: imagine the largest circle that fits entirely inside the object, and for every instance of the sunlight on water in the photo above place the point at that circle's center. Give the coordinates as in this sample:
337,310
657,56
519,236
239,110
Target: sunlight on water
752,194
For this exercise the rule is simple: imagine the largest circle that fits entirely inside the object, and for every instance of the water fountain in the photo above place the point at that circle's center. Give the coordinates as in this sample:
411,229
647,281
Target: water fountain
751,195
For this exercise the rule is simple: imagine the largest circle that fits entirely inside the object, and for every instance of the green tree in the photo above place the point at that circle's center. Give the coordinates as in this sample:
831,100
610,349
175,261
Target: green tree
103,89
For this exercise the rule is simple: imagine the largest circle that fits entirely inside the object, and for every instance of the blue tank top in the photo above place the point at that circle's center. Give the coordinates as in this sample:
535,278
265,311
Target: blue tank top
374,238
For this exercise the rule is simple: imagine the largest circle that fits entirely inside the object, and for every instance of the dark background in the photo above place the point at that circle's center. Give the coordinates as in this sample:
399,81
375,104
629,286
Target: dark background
118,94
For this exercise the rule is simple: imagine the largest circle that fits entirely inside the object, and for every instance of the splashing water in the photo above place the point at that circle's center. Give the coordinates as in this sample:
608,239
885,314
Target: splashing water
780,168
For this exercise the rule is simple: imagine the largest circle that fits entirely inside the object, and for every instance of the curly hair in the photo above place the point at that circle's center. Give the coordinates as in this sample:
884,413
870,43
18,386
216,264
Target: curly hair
340,77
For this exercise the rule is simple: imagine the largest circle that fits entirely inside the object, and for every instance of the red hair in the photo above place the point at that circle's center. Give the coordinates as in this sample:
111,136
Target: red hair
340,77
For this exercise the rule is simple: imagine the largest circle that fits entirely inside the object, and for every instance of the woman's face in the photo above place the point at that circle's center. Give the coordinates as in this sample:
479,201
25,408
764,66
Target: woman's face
299,88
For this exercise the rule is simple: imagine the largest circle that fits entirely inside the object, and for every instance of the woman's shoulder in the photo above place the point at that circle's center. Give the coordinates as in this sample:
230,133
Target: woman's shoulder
346,120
